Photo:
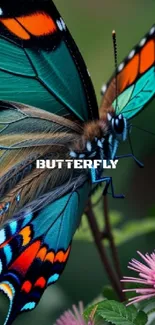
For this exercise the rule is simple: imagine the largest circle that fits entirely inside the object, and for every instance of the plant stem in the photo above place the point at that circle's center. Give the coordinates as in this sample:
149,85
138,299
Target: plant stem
110,237
101,249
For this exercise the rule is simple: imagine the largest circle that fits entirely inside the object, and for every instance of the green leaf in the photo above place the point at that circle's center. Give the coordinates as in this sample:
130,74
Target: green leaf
89,311
117,314
131,230
141,318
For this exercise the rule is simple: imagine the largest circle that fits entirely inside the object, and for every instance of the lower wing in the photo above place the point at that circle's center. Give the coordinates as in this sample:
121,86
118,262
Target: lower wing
35,245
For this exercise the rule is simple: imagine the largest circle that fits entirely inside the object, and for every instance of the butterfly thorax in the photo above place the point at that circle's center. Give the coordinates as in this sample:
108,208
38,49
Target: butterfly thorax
100,138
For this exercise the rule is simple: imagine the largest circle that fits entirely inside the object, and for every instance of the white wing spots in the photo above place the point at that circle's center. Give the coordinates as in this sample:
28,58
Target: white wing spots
152,30
142,42
1,12
131,54
121,66
61,25
89,73
103,89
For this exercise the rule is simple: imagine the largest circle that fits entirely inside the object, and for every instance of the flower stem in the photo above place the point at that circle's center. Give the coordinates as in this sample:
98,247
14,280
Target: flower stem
102,252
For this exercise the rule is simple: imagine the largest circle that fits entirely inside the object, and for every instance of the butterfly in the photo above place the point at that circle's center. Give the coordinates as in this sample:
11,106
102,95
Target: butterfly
48,110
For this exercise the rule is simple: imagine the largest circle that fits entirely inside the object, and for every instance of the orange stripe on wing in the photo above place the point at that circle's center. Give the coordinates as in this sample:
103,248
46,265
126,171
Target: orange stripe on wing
13,26
147,57
37,24
129,73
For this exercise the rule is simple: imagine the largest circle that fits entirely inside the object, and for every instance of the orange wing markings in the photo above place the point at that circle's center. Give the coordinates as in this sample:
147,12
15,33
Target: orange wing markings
26,234
14,27
147,57
36,24
129,73
60,256
50,257
42,253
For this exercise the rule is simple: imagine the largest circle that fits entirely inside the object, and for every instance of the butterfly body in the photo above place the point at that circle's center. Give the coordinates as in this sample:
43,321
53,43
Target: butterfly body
48,110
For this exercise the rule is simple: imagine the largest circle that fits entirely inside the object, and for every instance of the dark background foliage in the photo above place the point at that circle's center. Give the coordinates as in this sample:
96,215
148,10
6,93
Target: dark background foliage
91,23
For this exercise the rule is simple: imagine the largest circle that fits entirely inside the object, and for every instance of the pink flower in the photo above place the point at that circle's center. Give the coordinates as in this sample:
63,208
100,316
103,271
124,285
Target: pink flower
74,317
146,272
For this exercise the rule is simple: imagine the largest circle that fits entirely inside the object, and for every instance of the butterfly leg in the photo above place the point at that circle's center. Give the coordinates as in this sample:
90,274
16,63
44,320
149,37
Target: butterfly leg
141,165
96,179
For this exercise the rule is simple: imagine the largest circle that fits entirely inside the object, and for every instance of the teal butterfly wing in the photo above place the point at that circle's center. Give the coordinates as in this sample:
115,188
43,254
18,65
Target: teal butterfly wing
40,64
34,246
135,80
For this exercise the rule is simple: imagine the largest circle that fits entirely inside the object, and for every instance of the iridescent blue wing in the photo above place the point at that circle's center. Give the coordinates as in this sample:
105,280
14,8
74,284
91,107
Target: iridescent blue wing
35,245
40,64
135,80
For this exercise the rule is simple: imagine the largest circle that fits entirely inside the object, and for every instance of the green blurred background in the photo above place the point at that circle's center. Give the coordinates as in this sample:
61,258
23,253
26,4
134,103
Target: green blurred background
91,23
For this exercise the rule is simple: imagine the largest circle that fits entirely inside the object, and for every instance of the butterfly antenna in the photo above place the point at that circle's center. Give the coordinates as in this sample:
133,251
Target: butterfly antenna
143,130
116,63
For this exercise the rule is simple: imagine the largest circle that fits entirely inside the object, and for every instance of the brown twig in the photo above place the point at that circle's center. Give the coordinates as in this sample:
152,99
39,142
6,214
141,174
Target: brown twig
110,237
101,249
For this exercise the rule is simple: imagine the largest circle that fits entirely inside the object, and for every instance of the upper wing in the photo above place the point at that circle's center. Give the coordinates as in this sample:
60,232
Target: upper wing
28,134
34,247
40,64
135,80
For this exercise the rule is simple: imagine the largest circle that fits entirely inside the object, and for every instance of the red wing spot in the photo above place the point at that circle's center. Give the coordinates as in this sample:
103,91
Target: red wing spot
24,261
27,285
128,75
40,283
37,24
147,57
